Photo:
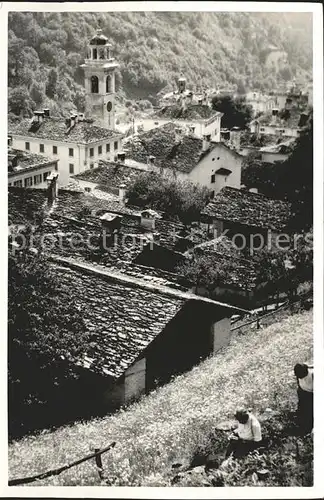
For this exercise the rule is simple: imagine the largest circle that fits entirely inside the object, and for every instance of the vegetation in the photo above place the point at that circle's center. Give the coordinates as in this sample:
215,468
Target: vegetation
156,432
46,50
45,333
236,112
176,198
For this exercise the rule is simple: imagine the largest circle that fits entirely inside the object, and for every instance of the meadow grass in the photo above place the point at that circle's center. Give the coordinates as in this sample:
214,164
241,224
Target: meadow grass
170,424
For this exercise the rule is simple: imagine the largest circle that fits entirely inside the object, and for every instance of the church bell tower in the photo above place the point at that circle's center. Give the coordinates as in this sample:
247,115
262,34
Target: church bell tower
99,72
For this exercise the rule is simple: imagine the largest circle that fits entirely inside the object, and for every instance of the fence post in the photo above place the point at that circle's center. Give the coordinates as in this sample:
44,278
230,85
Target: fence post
99,464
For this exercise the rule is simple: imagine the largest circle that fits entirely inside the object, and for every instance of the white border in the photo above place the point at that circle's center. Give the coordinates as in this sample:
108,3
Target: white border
240,492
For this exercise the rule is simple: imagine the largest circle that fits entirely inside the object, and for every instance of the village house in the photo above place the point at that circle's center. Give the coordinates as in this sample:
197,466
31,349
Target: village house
260,103
81,139
245,214
28,170
285,123
142,334
276,152
170,150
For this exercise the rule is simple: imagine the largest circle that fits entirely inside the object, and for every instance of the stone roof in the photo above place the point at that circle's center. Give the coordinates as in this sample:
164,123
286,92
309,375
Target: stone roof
286,118
109,175
189,112
26,161
162,143
124,315
283,148
250,209
55,129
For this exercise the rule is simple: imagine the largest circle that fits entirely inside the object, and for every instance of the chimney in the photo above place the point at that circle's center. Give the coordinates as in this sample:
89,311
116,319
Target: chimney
68,122
253,190
52,187
39,115
9,141
151,162
274,116
121,156
182,85
46,112
178,134
81,117
148,218
72,118
205,142
12,161
192,129
122,193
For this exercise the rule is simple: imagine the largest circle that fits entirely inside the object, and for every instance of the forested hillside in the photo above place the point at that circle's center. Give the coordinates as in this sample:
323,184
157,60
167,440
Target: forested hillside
153,48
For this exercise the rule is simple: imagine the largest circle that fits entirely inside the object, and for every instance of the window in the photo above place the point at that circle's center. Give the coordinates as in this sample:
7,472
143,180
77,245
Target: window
212,195
94,53
108,84
212,179
71,152
91,165
94,85
99,150
115,145
27,146
54,150
107,148
262,129
18,183
41,148
91,152
45,175
9,184
28,182
87,189
71,168
37,179
56,166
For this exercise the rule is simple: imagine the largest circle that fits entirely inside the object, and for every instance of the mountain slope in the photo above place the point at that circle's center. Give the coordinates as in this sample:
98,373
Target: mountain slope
255,370
154,48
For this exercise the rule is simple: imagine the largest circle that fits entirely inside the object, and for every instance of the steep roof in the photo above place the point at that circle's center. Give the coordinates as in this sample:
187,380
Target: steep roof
170,150
251,209
124,315
56,129
189,112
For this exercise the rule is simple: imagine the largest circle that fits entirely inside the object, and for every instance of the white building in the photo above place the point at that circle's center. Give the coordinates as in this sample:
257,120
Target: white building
28,170
80,141
170,150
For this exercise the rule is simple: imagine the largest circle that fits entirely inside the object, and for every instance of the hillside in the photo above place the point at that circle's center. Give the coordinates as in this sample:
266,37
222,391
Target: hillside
175,422
153,48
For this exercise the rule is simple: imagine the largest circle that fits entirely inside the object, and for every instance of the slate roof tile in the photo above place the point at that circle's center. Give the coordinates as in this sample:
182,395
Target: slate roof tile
251,209
55,129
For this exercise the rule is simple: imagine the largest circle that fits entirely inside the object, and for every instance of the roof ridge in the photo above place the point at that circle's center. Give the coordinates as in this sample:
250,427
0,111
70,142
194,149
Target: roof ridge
130,281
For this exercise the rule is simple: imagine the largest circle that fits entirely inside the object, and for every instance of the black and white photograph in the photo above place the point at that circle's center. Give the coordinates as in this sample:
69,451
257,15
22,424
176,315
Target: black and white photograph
162,316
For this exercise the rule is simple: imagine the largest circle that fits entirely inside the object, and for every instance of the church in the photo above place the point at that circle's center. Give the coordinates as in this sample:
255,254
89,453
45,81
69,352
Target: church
81,140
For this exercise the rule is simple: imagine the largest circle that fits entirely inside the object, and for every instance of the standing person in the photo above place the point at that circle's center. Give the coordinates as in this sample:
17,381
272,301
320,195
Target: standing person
246,437
305,413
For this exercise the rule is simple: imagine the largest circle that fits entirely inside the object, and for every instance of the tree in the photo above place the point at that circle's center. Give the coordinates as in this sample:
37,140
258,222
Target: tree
19,101
176,198
203,271
237,113
46,334
51,83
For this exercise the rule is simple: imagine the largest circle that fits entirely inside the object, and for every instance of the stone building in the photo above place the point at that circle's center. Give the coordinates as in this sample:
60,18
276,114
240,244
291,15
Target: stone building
142,334
99,69
246,214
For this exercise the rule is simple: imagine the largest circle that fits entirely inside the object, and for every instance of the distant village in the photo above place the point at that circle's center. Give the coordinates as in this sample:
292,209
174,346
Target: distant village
76,172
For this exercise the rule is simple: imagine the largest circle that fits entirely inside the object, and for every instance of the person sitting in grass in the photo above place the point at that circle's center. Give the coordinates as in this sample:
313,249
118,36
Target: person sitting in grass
305,379
246,437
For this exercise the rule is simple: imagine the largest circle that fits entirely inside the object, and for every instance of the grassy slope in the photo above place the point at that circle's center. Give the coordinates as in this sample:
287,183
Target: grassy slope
255,370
